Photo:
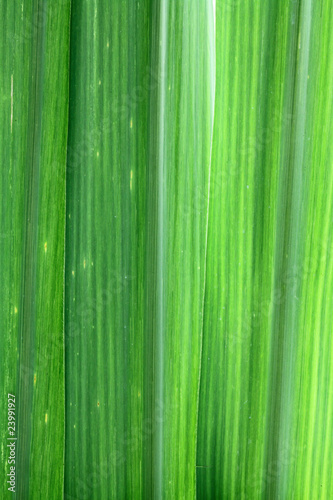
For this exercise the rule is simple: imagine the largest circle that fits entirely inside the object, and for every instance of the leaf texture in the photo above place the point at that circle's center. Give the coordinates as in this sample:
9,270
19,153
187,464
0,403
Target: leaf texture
137,198
34,108
266,366
166,248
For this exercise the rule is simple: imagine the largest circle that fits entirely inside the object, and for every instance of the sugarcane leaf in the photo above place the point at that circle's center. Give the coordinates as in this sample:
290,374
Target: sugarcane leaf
34,107
266,373
140,126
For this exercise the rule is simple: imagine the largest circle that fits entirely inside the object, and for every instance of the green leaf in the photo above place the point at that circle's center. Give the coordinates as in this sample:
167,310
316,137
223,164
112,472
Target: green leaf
179,171
105,248
266,368
141,98
34,106
166,248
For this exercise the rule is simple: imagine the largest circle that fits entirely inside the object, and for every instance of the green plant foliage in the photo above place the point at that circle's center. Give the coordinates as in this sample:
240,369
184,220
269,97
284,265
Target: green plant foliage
266,366
137,190
181,114
34,108
166,248
105,249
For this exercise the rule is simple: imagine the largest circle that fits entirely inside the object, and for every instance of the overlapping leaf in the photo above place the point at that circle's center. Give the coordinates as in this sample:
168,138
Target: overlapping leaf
196,206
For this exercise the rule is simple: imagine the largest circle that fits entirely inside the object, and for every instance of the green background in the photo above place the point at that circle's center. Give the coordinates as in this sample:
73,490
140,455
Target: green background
166,248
